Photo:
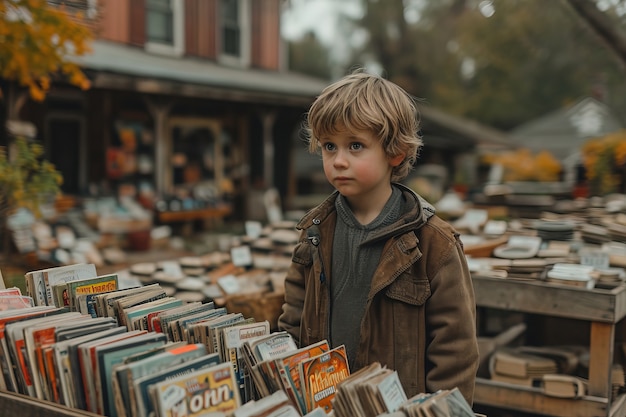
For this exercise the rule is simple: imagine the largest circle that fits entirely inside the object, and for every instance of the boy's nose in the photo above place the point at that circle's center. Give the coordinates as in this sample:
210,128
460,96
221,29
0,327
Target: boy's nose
340,159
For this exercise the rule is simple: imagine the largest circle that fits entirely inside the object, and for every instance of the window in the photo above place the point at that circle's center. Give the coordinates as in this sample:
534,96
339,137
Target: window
235,31
164,26
86,7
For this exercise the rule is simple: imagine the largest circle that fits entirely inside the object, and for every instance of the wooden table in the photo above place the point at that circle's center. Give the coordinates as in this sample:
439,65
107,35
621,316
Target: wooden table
209,216
603,309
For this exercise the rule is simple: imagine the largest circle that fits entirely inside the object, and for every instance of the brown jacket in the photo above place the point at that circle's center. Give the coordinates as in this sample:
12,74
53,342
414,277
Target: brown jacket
420,314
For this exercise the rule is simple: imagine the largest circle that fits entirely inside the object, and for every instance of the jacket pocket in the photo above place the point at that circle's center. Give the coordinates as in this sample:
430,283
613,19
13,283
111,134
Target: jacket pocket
302,254
409,290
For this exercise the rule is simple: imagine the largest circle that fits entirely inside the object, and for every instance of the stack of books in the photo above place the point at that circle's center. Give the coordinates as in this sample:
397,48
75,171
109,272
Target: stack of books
137,352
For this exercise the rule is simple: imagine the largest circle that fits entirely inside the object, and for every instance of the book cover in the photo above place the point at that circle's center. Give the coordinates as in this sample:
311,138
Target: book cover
234,337
68,364
88,366
198,393
8,379
15,302
97,285
289,371
141,385
320,376
169,355
114,353
53,276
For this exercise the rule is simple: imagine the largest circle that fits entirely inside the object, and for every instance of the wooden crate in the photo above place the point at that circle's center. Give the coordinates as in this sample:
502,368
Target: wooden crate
260,306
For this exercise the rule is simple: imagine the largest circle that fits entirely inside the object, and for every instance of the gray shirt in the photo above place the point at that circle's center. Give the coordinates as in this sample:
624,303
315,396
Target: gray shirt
353,265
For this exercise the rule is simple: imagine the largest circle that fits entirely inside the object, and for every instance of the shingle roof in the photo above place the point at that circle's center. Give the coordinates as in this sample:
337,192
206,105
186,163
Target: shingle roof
118,64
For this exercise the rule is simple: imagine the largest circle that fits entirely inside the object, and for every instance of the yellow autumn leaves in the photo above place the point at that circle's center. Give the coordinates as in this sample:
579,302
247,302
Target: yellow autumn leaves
523,165
38,41
604,159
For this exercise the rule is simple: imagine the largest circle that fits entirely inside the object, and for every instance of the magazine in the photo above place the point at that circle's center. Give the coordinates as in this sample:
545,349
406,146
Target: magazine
320,375
198,393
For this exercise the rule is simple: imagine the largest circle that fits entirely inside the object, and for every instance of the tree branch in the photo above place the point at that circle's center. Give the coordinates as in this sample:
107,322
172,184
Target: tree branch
601,25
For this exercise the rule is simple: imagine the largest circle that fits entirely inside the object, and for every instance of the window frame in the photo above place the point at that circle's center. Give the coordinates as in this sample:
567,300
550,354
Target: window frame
245,30
177,47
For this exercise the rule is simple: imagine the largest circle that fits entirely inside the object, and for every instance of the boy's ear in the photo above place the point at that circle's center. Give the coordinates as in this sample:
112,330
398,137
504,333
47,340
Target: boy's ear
396,160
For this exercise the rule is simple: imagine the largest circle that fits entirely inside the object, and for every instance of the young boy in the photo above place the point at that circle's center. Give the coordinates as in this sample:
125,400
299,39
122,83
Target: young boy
376,270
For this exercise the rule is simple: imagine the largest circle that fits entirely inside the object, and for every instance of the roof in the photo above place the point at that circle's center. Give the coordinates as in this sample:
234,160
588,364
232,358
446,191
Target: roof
450,130
564,131
124,67
121,66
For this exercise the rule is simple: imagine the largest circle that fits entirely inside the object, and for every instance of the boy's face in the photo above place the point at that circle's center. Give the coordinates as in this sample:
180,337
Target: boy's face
356,164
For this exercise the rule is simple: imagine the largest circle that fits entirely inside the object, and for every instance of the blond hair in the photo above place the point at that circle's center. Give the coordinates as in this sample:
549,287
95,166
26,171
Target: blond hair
366,102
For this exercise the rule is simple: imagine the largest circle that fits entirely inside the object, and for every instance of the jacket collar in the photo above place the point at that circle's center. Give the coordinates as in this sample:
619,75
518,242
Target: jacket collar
420,213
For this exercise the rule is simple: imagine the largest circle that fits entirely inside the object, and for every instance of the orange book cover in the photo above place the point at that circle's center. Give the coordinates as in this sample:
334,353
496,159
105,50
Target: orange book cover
42,338
289,371
53,384
320,376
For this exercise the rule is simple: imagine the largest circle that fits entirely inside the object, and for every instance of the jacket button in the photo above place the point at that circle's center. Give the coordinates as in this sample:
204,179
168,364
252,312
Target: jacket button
316,221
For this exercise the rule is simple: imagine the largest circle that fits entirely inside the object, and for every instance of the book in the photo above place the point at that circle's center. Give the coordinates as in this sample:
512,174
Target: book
287,368
8,379
198,393
21,357
39,337
111,354
105,302
320,375
233,338
88,366
146,363
68,366
96,285
15,302
56,275
145,405
36,287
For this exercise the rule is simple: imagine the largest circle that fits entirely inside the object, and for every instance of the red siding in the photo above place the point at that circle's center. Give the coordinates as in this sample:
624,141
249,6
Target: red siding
191,27
137,22
113,22
207,15
201,28
265,34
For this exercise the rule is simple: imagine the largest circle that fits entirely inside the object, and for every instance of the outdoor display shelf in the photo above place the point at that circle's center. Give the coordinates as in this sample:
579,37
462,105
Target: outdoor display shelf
603,309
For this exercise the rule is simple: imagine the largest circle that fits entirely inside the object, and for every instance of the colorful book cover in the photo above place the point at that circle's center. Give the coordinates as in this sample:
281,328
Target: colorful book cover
126,373
320,376
208,390
97,285
233,339
15,302
289,371
141,385
53,276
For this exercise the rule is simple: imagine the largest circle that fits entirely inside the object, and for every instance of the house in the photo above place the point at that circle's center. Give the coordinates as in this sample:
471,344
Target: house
564,132
190,99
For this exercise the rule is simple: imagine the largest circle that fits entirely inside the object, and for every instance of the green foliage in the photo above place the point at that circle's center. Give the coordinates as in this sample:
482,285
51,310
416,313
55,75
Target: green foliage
309,56
37,41
25,178
529,58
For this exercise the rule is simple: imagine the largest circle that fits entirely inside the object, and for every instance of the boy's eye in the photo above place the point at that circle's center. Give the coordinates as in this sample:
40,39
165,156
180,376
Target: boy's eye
355,146
328,146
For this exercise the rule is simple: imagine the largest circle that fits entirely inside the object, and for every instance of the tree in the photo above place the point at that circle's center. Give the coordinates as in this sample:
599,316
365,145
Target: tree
37,42
26,181
308,56
502,67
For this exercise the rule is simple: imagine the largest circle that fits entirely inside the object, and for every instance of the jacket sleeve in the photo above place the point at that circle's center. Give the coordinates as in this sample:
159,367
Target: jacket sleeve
291,315
452,351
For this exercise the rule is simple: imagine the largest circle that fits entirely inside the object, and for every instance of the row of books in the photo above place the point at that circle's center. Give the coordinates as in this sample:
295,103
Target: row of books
136,352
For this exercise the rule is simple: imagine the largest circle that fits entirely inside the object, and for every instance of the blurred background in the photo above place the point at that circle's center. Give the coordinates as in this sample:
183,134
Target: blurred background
186,113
